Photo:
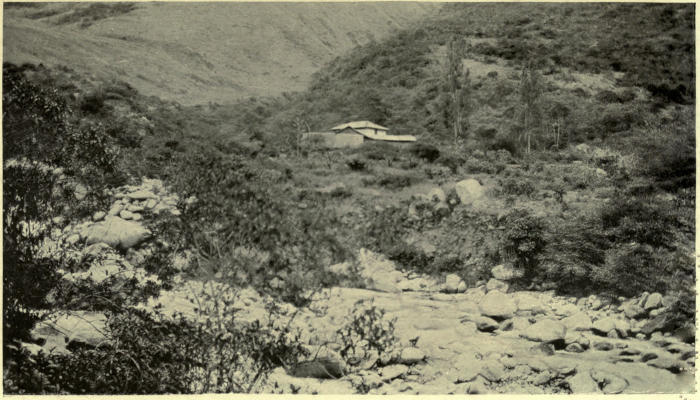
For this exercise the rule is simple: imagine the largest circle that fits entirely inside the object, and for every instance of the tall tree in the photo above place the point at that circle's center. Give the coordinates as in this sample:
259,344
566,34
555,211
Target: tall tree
531,89
458,85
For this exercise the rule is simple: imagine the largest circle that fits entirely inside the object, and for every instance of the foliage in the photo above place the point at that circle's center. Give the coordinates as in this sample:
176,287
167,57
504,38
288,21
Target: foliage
425,151
367,331
523,240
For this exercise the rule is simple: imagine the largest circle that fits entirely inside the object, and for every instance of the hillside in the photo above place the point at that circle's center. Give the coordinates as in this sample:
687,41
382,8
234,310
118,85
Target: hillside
197,53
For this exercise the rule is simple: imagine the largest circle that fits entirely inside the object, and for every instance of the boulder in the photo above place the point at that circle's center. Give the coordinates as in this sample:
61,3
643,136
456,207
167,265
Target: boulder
653,301
503,272
80,327
126,214
452,282
115,209
498,305
578,322
581,383
528,302
320,368
117,232
546,331
469,190
484,324
495,284
98,215
603,326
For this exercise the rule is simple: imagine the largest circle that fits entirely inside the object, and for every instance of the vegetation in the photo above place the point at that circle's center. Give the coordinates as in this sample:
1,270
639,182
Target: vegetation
587,157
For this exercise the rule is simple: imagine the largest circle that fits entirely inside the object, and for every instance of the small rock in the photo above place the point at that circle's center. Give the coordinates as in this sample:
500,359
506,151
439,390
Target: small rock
73,239
411,355
141,195
495,284
126,214
98,215
667,363
150,203
648,356
610,383
462,287
582,383
633,311
574,348
392,372
115,209
503,272
545,331
452,283
603,346
492,370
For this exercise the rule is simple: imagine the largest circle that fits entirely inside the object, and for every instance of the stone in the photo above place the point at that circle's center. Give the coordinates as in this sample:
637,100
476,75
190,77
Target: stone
150,203
582,383
320,368
135,208
578,322
603,326
80,327
576,337
80,191
73,239
411,355
462,287
115,209
392,372
528,302
466,369
623,327
520,323
98,215
141,195
506,325
437,195
484,324
603,346
648,356
610,383
495,284
546,349
117,232
126,214
492,371
653,301
498,305
137,217
574,348
452,283
546,331
503,272
632,310
469,190
668,363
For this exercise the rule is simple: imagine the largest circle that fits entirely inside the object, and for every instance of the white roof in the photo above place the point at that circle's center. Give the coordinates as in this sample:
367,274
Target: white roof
358,125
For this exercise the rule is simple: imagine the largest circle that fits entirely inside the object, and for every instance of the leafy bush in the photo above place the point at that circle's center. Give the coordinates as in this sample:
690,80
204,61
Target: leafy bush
355,164
523,241
367,332
517,187
391,181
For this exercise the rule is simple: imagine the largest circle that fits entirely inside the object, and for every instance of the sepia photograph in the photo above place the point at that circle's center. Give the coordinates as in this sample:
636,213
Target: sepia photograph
349,198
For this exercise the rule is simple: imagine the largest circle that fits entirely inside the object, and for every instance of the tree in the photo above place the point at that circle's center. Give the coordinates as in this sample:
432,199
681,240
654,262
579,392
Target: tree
530,97
459,87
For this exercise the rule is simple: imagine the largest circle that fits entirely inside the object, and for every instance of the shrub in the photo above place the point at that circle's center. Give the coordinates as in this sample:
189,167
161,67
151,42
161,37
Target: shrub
367,331
451,161
355,164
523,241
392,182
517,187
427,152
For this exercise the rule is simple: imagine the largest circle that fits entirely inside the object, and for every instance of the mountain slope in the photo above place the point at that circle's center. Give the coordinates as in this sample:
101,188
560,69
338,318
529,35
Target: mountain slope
199,52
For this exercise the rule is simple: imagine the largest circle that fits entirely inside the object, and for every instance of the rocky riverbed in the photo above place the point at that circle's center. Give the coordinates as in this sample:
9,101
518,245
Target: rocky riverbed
451,339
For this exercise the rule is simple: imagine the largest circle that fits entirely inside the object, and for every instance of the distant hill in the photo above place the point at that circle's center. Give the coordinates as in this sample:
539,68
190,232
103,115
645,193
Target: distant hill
196,53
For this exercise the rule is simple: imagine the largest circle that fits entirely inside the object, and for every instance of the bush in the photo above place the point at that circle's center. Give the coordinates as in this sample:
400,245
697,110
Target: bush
355,164
427,152
517,187
391,182
523,241
367,332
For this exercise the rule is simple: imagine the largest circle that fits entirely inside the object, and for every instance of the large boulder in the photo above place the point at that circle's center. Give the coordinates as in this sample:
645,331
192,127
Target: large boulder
452,283
117,232
653,301
496,304
546,331
469,190
604,325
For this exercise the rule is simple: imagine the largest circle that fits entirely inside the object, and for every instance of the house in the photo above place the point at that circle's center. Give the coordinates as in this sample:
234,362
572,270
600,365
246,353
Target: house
370,131
353,134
